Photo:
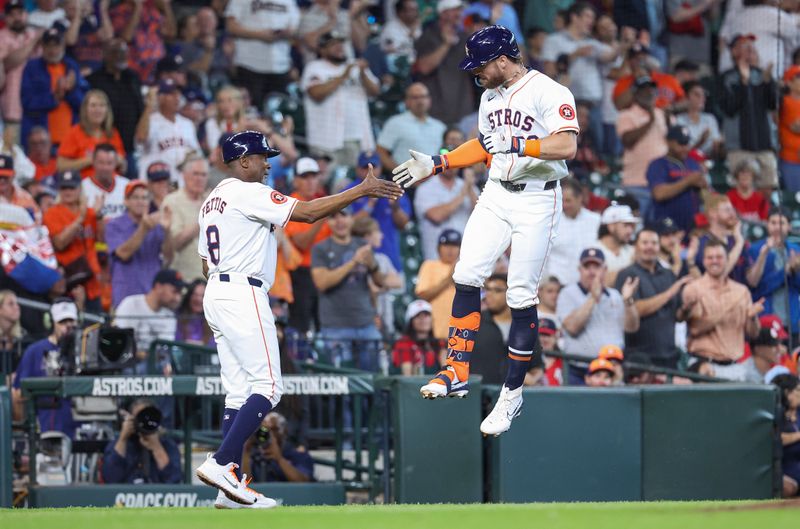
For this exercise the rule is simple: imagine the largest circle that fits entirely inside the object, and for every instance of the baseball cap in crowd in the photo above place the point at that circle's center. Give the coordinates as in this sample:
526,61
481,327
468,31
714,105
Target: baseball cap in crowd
450,236
195,95
6,165
306,165
644,80
369,157
68,180
170,63
638,48
547,327
14,4
63,309
791,73
158,171
601,364
168,276
678,133
666,226
331,36
52,35
774,325
592,255
618,213
167,86
775,371
444,5
611,352
765,337
415,307
132,186
739,36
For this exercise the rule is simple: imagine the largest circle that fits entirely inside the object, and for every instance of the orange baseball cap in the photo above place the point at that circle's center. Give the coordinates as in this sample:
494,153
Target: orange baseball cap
791,73
611,352
132,186
601,364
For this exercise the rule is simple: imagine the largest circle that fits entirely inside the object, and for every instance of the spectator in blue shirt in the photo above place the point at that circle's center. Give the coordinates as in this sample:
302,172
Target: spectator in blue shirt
140,454
488,10
43,359
391,215
774,270
675,181
274,458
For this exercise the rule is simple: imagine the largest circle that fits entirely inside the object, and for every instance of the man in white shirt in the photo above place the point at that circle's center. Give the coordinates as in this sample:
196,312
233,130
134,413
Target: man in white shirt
164,134
398,35
617,225
152,315
105,189
577,230
442,202
336,105
413,129
263,50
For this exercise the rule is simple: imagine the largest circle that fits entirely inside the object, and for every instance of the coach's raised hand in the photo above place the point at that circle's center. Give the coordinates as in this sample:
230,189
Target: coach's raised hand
378,188
417,168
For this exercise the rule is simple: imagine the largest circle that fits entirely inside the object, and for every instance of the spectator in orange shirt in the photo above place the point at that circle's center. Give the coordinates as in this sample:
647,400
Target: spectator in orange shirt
671,96
307,187
40,151
73,230
11,193
790,130
52,89
96,126
289,258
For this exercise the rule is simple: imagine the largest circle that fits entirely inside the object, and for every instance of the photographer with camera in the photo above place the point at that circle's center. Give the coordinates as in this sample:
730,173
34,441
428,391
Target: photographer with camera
44,359
140,454
272,457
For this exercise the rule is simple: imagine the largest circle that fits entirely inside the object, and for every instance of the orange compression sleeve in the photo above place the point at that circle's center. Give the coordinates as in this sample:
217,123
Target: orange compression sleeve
466,154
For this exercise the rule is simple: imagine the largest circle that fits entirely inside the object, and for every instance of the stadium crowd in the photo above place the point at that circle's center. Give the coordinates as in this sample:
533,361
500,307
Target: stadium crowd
675,247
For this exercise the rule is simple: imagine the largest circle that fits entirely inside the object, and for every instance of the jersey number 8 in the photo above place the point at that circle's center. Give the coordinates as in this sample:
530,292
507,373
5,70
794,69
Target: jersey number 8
212,239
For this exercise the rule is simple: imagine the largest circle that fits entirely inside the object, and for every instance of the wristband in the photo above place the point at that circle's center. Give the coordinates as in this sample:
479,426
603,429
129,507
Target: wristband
518,145
533,148
440,163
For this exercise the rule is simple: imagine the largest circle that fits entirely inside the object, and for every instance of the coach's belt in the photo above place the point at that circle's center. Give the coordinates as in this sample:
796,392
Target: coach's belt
516,188
226,278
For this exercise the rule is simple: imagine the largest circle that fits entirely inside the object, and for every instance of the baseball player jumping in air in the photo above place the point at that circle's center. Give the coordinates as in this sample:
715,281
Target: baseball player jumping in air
527,128
239,251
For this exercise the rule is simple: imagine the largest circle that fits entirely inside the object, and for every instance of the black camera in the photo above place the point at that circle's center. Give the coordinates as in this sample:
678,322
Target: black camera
98,349
263,436
147,421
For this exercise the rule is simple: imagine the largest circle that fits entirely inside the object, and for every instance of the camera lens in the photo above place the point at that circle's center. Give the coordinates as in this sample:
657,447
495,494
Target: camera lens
148,420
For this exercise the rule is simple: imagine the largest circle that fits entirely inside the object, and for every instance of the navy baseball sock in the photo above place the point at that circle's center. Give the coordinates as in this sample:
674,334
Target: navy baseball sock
228,416
521,339
247,421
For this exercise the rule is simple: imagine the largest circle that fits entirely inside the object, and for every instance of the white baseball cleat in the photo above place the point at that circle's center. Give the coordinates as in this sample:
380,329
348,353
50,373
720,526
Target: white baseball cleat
223,477
508,406
261,501
441,386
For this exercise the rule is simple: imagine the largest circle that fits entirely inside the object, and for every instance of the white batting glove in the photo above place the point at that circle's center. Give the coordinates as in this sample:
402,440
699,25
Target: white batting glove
417,168
499,143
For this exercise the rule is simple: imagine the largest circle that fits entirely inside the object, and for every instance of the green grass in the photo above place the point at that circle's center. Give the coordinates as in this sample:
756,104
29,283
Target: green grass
664,515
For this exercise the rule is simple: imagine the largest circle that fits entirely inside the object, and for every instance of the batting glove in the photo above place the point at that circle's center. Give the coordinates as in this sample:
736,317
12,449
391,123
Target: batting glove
499,143
419,167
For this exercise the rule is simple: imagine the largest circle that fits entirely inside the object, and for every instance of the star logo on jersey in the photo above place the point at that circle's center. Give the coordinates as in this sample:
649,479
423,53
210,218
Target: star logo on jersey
566,112
278,198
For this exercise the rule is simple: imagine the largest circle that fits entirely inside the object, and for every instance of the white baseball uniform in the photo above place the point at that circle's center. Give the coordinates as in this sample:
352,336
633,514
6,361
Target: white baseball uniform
237,222
168,142
533,107
113,199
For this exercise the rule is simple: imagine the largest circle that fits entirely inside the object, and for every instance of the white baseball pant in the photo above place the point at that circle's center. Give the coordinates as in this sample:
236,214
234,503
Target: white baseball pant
528,220
247,344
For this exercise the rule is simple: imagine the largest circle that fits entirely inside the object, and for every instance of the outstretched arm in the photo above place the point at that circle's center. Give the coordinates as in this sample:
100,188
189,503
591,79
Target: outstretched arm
420,166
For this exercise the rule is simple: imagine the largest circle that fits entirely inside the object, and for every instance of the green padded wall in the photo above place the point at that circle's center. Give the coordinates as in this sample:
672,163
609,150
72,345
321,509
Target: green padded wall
707,442
437,445
6,492
576,444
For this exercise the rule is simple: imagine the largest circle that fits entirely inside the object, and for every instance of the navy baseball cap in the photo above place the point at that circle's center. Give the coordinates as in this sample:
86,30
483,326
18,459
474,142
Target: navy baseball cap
643,81
68,180
53,34
637,49
167,86
169,277
593,255
678,133
666,226
6,165
547,327
331,36
246,143
14,4
450,236
158,171
369,157
170,63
